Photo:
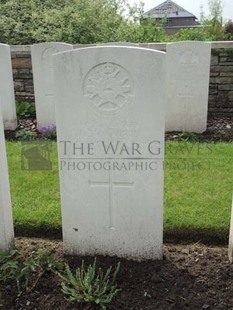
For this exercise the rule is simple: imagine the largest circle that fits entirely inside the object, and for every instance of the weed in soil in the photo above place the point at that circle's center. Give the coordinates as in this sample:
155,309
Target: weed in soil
189,277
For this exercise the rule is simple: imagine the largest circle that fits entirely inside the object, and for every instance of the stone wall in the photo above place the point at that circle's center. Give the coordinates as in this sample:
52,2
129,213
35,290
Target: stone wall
22,73
221,75
221,82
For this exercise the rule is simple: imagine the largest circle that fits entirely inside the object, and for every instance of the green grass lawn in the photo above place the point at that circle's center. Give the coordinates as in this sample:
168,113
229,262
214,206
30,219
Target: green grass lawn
198,188
35,194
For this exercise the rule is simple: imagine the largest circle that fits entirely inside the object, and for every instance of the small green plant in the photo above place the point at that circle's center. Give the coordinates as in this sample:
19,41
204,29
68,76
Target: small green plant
48,132
45,263
186,136
25,135
25,110
26,271
15,267
91,285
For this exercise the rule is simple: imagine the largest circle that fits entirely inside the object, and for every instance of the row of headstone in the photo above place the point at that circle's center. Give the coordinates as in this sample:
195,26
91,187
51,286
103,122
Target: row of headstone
103,90
43,80
110,116
7,97
188,65
110,145
100,101
187,83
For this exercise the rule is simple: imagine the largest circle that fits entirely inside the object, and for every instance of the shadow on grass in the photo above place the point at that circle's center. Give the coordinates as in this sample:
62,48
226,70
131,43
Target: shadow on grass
176,236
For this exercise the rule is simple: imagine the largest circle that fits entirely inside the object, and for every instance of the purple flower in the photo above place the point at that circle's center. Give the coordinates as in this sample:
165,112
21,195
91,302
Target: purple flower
47,129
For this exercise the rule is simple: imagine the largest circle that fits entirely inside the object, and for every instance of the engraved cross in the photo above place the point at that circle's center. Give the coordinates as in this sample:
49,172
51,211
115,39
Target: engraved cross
185,97
110,185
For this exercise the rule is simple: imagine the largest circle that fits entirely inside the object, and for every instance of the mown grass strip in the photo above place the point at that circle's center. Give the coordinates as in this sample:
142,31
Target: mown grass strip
198,190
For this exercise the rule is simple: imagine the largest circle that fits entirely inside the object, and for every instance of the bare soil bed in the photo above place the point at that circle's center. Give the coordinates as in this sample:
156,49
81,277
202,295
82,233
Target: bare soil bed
189,277
218,129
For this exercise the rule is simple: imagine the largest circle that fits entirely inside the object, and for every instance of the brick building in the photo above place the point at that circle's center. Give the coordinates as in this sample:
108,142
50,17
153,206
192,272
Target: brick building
176,17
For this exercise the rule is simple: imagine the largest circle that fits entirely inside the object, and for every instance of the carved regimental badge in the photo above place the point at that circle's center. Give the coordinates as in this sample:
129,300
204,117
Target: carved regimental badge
46,56
108,86
188,57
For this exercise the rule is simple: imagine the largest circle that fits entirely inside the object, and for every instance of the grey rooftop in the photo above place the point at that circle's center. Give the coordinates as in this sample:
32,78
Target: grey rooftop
168,9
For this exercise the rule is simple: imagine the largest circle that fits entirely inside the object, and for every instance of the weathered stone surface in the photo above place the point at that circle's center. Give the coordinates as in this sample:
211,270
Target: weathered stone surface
29,88
23,61
22,54
19,86
6,222
223,59
23,94
215,80
226,73
214,60
228,63
7,98
225,87
222,69
24,74
214,74
188,68
226,80
112,95
230,95
212,92
43,80
18,63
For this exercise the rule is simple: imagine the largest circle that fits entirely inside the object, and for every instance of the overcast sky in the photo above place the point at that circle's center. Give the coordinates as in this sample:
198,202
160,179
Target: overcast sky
191,6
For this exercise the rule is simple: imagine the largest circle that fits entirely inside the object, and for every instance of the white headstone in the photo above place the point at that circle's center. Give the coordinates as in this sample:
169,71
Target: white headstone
110,124
43,80
188,68
6,222
7,96
230,248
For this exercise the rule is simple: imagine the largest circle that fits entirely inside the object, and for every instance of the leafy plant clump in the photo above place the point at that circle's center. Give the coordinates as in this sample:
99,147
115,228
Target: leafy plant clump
99,21
90,285
26,271
186,136
48,132
25,135
25,110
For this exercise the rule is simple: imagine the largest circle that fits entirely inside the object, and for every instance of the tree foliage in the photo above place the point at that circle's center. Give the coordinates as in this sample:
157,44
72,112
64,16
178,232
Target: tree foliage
229,29
93,21
77,21
193,34
214,22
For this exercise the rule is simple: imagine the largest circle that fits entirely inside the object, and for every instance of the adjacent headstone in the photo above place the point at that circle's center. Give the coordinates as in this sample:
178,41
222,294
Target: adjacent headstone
43,80
6,222
230,248
7,97
110,125
188,67
120,44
